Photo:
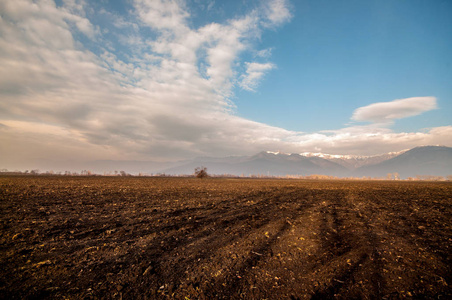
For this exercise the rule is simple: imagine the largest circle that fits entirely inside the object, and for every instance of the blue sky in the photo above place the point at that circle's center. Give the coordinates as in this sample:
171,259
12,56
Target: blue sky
335,56
175,79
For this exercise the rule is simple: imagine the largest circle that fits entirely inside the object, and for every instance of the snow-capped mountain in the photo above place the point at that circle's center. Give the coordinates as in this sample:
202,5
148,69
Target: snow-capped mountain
428,160
355,161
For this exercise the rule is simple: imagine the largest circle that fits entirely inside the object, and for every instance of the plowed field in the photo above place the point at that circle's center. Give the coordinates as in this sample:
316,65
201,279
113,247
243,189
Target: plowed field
175,238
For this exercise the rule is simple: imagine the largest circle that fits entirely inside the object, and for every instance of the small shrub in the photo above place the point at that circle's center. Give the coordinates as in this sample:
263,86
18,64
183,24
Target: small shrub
201,172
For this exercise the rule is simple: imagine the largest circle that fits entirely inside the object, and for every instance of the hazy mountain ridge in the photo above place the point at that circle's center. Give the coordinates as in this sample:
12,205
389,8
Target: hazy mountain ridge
426,160
263,163
355,161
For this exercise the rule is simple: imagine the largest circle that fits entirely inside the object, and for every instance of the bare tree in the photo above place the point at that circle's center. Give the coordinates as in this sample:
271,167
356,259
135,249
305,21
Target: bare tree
201,172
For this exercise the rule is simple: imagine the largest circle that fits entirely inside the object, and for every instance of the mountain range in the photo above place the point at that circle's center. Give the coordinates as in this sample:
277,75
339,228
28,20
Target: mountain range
426,160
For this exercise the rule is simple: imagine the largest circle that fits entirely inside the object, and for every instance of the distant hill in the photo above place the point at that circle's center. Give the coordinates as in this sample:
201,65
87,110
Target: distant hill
427,160
355,161
264,163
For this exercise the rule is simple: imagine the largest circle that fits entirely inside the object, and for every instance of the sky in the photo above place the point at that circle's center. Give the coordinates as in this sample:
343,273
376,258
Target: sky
155,80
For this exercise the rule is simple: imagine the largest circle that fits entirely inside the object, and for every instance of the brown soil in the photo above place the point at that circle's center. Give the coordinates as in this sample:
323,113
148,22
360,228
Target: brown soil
148,238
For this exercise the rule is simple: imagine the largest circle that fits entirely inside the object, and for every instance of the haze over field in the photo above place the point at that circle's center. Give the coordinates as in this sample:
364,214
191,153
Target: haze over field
154,80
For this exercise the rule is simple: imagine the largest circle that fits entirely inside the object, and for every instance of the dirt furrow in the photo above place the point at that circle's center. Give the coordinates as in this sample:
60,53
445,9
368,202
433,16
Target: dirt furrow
179,238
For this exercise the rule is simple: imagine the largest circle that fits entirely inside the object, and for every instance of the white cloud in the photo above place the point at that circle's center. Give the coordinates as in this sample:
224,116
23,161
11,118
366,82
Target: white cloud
366,140
75,6
384,112
265,53
161,14
102,100
74,12
276,12
254,73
